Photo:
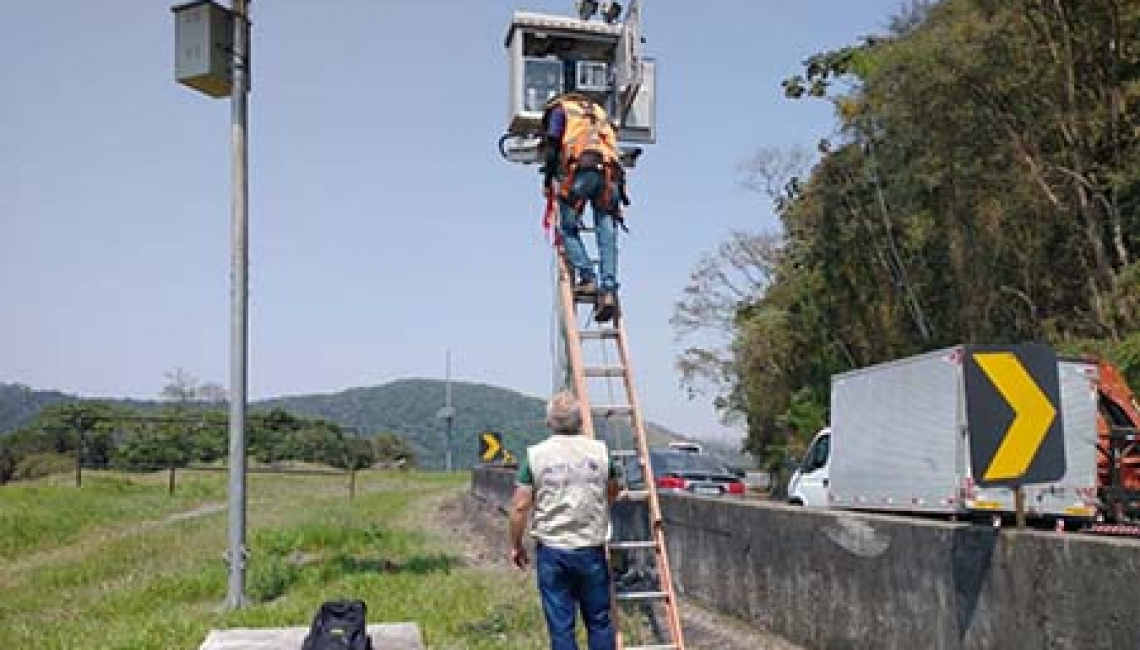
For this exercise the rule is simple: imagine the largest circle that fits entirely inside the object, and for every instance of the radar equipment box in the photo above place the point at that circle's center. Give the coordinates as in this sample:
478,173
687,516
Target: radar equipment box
551,54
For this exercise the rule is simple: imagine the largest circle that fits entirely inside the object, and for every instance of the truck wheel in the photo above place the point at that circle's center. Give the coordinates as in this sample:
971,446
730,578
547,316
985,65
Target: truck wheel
795,502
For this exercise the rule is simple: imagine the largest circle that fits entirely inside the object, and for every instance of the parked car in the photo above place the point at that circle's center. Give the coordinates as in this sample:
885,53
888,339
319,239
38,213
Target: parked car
684,471
686,445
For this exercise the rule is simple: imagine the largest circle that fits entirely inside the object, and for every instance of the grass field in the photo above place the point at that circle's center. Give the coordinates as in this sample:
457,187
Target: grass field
121,565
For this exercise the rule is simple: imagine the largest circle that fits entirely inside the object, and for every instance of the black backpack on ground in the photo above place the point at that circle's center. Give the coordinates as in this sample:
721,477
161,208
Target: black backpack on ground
339,625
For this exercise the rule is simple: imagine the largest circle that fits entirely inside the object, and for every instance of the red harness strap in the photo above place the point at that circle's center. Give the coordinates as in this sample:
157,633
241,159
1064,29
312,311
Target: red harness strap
550,220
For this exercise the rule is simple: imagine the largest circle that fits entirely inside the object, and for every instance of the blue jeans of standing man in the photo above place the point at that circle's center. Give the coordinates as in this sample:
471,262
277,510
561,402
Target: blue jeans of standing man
574,579
588,186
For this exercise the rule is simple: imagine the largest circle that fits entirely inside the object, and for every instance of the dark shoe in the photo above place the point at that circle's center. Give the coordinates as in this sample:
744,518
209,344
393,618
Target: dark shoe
586,286
606,307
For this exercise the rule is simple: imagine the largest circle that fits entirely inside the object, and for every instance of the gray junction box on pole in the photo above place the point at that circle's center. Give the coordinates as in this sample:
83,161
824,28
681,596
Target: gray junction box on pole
203,47
549,55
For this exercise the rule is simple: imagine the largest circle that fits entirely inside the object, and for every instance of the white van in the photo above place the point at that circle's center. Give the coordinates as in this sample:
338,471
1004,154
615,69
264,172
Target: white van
808,485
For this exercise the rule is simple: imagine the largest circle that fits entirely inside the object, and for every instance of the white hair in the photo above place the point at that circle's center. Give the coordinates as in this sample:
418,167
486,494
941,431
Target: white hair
563,414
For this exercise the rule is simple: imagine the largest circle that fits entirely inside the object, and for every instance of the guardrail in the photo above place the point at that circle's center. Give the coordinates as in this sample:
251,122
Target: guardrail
834,579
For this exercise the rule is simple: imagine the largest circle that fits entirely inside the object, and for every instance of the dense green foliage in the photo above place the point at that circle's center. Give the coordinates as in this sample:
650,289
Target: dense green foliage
983,186
104,435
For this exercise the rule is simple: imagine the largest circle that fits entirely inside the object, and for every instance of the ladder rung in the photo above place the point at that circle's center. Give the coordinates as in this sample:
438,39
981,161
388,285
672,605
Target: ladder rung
606,371
636,495
630,546
624,453
608,410
641,595
598,334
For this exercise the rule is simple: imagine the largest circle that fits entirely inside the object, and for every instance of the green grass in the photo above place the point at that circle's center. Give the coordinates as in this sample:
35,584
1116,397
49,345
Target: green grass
121,565
50,514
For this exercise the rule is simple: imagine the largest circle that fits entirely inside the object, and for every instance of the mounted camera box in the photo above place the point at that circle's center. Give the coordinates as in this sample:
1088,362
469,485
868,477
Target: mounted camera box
203,47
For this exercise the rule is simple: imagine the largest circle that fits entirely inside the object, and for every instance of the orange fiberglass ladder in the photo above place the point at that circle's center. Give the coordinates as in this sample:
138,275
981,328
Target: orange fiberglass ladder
660,595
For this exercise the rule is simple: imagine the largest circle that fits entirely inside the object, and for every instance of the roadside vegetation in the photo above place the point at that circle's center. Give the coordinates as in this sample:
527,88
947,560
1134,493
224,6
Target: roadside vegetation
120,564
981,186
106,435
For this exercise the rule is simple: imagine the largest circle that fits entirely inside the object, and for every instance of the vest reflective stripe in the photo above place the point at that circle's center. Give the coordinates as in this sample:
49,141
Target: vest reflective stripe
587,129
570,474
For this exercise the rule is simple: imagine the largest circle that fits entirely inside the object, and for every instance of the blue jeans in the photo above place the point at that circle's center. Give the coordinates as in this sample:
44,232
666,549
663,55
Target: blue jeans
588,187
572,579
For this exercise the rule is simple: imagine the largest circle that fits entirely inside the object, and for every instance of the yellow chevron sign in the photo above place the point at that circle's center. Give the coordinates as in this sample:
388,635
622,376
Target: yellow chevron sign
490,445
1032,415
1013,415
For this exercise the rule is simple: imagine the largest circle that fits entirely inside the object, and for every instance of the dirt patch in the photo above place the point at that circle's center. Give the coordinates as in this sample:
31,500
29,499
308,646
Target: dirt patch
201,511
483,529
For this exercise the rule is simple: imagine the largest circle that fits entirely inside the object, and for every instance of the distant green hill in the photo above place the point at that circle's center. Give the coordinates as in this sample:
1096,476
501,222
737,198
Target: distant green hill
408,408
20,404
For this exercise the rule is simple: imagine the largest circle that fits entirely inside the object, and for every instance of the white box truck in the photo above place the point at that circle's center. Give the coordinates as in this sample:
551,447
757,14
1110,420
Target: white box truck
899,442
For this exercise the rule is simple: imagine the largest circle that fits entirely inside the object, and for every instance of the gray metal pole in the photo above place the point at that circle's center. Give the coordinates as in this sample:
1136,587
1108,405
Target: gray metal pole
235,593
449,444
451,414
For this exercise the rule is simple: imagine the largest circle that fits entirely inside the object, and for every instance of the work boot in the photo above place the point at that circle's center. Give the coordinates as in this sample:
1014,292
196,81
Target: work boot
586,287
606,307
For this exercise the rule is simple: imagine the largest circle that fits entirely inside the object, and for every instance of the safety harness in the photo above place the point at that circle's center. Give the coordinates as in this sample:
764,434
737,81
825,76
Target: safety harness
589,142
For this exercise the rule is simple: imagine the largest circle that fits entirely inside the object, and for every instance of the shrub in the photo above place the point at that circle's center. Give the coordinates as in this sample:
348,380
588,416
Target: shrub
35,466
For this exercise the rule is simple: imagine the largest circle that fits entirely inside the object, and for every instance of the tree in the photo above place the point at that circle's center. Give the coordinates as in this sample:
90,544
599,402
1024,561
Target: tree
181,387
212,393
359,454
982,185
391,448
721,284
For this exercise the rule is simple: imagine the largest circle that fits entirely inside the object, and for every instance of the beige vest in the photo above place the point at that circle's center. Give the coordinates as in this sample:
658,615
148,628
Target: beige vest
570,473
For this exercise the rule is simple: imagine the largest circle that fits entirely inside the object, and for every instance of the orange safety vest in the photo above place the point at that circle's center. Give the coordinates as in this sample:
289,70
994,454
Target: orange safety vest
588,128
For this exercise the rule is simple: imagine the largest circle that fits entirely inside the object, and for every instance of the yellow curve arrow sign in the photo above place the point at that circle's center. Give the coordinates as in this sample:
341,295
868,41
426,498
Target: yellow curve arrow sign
1033,414
491,447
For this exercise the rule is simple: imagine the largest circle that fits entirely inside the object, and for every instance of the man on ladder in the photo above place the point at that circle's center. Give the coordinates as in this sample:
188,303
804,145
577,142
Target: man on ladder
580,150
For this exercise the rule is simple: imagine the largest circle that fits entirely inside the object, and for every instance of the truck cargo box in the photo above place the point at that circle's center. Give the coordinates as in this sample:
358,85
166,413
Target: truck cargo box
900,441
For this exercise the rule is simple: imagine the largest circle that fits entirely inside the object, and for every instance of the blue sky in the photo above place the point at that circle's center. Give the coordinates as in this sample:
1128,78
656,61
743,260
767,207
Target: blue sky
385,229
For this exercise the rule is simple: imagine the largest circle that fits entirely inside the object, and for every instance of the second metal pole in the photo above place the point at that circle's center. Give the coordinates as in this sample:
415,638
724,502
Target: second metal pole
450,412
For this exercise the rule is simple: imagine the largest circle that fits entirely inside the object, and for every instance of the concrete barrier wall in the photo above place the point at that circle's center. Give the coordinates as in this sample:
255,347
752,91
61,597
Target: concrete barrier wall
835,580
493,485
846,580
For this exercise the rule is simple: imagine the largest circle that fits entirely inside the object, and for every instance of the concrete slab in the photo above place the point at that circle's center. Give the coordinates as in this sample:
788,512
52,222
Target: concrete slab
390,636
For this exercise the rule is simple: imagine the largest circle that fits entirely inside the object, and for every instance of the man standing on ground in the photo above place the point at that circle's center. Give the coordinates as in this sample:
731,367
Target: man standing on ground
569,482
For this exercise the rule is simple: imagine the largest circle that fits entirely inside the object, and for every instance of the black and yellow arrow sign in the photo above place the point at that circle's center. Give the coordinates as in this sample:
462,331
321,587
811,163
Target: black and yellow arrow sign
490,446
1013,411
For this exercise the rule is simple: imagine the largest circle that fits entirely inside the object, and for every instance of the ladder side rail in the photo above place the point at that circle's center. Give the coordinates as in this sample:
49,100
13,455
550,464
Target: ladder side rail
577,367
573,343
573,350
665,574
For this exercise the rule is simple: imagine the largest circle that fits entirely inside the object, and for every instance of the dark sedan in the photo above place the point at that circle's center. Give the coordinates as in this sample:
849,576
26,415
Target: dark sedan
685,472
